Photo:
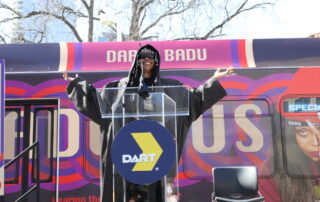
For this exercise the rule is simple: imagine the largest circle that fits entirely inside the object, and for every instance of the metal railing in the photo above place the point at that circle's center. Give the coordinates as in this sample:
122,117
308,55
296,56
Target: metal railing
34,146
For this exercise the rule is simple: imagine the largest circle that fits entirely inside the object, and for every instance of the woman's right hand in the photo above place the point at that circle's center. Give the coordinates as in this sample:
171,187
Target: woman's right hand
67,78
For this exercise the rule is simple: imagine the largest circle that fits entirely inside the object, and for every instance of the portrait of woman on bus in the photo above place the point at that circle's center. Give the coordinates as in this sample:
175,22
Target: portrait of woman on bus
301,156
297,173
301,145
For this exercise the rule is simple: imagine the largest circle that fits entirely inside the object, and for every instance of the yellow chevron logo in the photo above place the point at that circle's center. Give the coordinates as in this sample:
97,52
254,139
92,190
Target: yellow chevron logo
151,151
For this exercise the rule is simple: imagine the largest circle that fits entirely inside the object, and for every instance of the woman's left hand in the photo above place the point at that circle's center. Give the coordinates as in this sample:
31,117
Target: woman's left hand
219,74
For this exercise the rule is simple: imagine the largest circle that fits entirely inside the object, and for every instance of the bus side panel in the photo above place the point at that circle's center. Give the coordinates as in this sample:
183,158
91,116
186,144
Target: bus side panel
78,166
239,130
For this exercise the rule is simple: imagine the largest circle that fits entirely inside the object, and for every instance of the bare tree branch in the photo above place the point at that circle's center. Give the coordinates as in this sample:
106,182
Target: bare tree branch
2,5
144,5
63,19
85,4
229,17
2,39
90,29
169,13
66,9
63,16
143,19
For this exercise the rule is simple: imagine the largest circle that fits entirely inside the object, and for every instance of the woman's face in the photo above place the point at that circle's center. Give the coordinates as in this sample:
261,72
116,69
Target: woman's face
148,64
308,141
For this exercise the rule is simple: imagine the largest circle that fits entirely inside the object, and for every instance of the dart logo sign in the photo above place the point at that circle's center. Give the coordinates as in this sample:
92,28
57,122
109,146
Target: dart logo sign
143,152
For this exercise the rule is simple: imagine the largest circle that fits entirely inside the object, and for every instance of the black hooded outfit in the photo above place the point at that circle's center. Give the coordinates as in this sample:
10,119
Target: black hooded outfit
85,98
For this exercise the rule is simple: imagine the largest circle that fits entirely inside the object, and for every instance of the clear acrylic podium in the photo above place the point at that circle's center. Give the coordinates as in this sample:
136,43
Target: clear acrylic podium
163,104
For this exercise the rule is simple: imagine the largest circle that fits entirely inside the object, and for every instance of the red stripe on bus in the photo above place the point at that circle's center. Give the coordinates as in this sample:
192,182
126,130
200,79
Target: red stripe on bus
48,91
15,91
71,56
242,53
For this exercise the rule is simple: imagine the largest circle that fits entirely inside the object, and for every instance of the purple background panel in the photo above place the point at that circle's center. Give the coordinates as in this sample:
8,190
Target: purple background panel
30,57
287,52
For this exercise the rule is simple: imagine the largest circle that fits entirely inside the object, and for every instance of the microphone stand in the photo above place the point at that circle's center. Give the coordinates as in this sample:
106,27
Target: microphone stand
143,88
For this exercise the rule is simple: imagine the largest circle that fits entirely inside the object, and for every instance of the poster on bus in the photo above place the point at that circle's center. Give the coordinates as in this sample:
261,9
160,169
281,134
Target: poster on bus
2,104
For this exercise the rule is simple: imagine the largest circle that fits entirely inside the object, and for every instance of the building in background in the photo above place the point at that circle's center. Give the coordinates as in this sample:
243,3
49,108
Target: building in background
315,35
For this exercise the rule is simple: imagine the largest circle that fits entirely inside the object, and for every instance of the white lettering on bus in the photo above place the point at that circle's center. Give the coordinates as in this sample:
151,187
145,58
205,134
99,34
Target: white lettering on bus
73,134
11,119
249,128
190,54
120,56
218,134
132,55
185,54
304,107
170,55
111,56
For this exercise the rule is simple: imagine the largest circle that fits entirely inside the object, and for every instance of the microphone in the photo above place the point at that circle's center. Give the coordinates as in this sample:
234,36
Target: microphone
143,88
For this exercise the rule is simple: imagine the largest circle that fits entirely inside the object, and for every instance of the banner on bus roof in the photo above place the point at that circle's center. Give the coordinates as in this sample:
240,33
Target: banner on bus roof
195,54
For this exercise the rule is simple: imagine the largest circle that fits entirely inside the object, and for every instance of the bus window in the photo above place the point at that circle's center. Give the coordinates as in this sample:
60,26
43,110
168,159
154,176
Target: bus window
301,136
233,132
29,121
43,131
12,147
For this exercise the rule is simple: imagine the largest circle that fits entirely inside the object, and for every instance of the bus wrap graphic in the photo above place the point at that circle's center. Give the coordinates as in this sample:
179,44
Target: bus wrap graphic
143,151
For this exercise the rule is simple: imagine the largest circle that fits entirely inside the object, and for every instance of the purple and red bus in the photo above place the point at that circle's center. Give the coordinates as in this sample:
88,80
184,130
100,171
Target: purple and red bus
270,118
